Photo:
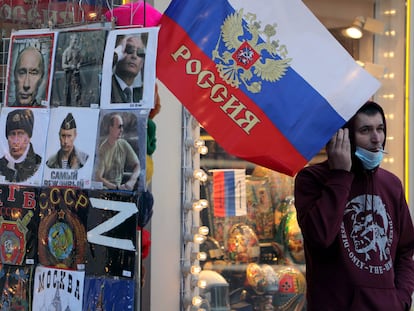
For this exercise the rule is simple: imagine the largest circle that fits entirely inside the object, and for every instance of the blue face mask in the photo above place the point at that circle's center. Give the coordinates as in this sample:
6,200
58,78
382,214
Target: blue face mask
369,159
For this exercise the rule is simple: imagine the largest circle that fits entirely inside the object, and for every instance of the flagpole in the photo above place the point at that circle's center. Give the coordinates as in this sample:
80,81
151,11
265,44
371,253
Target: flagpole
145,13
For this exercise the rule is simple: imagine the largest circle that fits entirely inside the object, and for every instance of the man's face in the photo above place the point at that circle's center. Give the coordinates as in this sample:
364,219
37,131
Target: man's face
133,59
369,131
74,40
116,129
67,139
18,140
28,76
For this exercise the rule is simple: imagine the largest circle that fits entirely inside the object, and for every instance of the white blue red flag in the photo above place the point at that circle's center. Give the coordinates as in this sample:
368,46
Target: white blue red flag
229,192
265,78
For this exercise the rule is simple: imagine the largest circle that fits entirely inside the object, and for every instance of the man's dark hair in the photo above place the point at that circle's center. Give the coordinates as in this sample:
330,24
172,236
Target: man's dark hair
370,108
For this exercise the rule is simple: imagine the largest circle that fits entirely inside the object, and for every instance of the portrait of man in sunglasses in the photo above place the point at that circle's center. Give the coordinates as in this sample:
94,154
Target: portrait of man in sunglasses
127,82
117,166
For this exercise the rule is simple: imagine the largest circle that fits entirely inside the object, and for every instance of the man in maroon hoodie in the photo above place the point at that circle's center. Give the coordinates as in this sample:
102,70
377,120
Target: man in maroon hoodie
356,225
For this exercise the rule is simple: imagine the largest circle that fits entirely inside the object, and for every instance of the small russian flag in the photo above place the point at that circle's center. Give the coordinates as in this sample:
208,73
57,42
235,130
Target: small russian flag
229,192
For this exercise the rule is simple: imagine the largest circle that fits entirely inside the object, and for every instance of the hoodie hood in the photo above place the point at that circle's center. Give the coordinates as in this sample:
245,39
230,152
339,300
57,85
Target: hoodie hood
369,108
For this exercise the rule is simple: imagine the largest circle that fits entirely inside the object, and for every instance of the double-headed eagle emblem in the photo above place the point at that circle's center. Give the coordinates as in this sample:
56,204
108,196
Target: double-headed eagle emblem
249,54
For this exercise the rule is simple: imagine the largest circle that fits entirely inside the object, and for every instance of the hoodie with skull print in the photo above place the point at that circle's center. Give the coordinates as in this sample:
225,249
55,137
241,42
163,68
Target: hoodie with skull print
358,238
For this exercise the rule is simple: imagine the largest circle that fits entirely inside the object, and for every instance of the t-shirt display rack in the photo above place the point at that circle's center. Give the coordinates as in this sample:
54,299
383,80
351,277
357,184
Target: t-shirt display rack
59,244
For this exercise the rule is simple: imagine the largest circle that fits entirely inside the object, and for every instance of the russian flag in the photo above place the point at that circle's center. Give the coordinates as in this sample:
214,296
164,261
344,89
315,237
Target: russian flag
229,192
265,78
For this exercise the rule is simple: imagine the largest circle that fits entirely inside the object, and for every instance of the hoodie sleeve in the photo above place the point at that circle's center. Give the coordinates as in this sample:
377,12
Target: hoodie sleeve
404,264
320,199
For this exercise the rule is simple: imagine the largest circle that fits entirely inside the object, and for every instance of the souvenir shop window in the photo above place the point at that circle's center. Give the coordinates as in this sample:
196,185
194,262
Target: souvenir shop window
255,246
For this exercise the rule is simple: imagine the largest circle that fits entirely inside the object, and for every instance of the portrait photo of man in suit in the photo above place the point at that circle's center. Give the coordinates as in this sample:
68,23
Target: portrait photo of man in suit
129,56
